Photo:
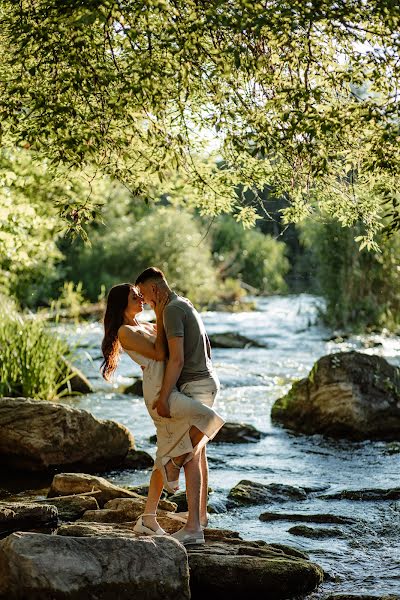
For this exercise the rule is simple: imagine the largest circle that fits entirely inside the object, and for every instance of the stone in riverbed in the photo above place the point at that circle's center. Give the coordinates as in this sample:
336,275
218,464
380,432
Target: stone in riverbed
237,433
35,565
15,516
135,389
64,484
316,533
227,566
70,509
232,568
39,435
251,492
346,395
306,518
120,510
137,459
230,339
77,382
365,494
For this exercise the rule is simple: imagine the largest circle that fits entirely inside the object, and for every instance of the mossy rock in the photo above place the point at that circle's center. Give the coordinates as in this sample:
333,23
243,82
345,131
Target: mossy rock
346,395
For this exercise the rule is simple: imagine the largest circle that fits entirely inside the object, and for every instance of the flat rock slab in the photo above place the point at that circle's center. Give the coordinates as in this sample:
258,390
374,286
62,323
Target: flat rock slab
232,568
306,518
346,395
237,433
15,516
365,494
65,484
316,533
251,492
44,567
38,435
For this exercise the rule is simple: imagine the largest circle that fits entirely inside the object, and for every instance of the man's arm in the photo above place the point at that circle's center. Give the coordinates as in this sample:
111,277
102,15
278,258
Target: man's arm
171,375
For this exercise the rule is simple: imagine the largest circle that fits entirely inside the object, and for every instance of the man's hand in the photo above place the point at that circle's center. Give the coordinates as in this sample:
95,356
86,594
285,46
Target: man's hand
162,409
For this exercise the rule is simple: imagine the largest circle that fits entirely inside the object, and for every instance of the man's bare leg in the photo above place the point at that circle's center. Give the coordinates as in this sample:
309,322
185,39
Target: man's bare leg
193,486
204,487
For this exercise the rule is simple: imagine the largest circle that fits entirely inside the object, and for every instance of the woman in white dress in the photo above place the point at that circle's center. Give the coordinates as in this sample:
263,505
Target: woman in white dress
192,424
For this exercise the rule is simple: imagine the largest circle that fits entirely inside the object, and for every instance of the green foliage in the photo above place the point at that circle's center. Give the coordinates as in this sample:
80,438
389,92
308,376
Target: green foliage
70,300
31,358
361,289
255,258
165,237
303,96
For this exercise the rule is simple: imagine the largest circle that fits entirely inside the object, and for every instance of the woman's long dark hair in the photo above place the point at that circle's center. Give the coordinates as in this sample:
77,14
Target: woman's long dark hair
117,301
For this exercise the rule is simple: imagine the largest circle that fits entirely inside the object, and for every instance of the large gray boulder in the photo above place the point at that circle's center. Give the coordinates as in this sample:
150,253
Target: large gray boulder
38,566
346,395
38,435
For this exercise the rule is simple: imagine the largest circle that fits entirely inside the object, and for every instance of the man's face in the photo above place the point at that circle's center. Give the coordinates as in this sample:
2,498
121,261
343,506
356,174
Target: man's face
148,291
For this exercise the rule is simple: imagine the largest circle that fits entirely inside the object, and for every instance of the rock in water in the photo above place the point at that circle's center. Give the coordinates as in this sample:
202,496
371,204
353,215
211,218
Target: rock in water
230,339
35,565
230,568
15,516
346,395
37,435
237,433
135,389
251,492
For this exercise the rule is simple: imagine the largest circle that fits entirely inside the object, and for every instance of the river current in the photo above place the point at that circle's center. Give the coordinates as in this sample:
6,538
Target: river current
360,558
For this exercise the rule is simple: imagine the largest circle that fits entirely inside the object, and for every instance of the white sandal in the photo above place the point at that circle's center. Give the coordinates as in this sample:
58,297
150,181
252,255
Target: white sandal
141,528
170,486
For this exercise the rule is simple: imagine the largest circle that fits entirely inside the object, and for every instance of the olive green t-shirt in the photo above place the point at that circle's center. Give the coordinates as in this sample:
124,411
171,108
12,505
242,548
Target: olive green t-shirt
181,319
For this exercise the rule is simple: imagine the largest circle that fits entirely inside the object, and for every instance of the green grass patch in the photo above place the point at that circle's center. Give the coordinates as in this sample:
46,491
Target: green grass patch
32,359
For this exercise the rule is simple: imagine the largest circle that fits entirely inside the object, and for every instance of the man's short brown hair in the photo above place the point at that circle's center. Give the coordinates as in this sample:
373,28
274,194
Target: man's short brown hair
150,273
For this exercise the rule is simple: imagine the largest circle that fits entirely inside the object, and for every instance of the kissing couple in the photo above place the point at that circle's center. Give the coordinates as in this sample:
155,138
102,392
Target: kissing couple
179,389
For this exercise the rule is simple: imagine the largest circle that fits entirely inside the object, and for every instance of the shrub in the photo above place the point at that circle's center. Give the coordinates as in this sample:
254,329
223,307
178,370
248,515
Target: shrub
167,238
361,289
258,259
31,358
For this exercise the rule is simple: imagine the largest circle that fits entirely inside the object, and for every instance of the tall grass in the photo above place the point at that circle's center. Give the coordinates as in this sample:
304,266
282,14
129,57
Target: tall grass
32,359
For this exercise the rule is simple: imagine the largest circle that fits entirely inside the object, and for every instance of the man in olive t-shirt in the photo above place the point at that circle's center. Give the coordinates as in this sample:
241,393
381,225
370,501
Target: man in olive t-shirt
189,368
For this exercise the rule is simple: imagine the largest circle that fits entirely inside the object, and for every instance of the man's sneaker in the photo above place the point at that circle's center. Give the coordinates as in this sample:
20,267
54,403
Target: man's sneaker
188,538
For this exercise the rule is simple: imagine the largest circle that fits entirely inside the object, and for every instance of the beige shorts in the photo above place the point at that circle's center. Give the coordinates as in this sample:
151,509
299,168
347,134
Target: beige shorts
204,390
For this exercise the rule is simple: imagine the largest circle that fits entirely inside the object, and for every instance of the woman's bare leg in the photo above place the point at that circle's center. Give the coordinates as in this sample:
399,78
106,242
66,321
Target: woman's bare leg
153,498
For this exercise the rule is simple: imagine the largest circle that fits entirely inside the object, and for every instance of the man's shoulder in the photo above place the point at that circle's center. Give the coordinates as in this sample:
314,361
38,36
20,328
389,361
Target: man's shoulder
179,302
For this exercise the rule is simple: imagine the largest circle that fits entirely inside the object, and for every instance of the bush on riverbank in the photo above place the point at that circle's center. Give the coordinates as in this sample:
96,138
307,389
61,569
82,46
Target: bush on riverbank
361,289
31,358
247,254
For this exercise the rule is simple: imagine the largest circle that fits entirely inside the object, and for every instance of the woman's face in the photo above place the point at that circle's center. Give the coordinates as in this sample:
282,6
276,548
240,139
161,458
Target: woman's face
135,303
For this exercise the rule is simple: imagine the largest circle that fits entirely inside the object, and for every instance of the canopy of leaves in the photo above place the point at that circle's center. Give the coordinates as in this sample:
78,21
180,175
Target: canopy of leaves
302,96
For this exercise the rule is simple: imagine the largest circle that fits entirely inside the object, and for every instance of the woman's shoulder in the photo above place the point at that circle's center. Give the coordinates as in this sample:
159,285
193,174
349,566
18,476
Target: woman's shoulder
127,330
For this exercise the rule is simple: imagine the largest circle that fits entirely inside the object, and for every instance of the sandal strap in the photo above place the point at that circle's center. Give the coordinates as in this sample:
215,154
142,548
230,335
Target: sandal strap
148,514
174,463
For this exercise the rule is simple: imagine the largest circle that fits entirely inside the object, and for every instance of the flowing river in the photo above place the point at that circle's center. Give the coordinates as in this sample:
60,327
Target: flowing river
361,558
